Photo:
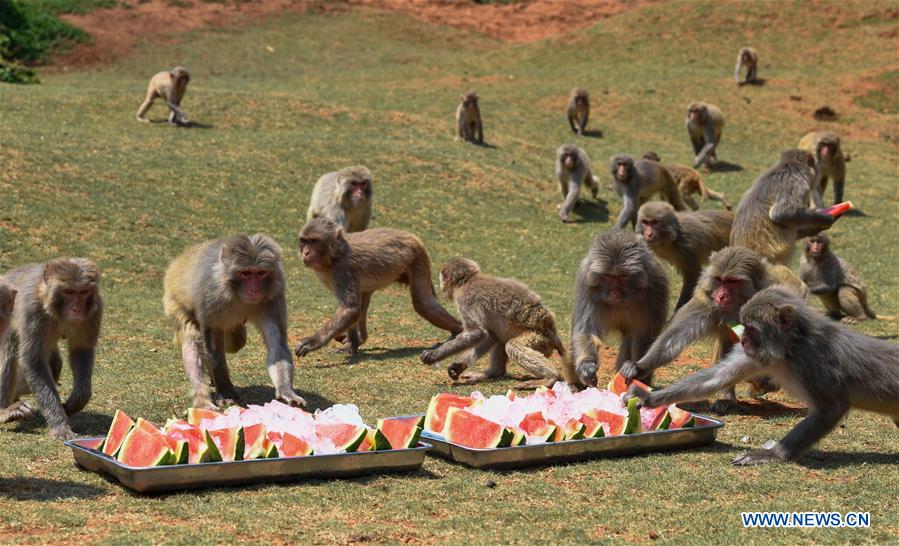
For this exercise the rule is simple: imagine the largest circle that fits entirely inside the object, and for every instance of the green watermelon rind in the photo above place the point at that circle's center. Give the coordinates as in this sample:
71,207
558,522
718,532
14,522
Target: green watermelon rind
502,439
666,422
165,459
634,424
213,455
519,438
353,445
578,433
112,425
383,443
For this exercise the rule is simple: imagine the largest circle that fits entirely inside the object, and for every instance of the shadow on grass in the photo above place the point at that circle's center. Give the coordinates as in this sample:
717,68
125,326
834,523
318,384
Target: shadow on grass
756,407
887,337
261,394
592,133
855,212
84,423
831,460
726,167
758,82
373,354
26,488
591,212
190,125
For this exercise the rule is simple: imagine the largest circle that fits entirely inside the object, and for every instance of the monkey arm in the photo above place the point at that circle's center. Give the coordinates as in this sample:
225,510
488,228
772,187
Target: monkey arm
689,323
81,362
584,326
176,109
349,309
33,362
737,70
480,130
574,190
466,340
629,212
710,143
735,367
279,361
690,274
820,421
791,210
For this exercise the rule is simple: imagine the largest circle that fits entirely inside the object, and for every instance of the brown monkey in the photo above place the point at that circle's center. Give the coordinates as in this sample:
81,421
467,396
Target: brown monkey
734,275
354,265
823,363
7,301
774,210
749,58
578,110
344,197
636,182
620,287
573,169
689,181
57,300
684,239
835,281
170,87
211,291
468,119
502,317
704,124
831,164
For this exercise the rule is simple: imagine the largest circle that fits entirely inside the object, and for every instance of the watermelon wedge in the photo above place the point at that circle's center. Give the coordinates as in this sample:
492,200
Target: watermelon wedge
735,331
612,424
142,448
284,444
537,427
592,427
839,209
655,418
120,427
344,436
519,438
368,444
574,430
397,433
438,407
197,444
228,442
196,415
93,443
255,441
469,430
619,385
680,418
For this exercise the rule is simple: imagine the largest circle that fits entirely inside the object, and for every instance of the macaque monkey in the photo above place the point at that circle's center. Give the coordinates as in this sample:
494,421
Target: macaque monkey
828,366
7,301
689,181
578,110
620,287
354,265
468,119
572,170
211,291
831,164
774,211
684,239
748,58
344,197
835,281
704,124
636,182
56,300
170,87
502,317
734,275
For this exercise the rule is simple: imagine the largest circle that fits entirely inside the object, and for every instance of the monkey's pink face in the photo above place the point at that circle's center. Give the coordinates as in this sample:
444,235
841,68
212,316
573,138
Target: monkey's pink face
826,151
815,247
749,341
622,171
695,116
727,293
253,283
312,252
569,161
650,228
76,302
617,289
359,190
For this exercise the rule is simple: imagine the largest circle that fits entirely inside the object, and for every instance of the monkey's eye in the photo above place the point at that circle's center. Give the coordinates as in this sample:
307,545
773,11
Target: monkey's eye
68,291
84,291
246,273
262,274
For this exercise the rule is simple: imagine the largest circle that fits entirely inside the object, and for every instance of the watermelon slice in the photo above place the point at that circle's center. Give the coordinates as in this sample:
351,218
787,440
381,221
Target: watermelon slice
120,427
839,209
344,436
536,426
613,424
284,444
574,430
438,407
619,385
680,418
143,448
655,418
469,430
93,443
228,442
519,438
255,441
197,444
735,331
397,433
196,415
592,427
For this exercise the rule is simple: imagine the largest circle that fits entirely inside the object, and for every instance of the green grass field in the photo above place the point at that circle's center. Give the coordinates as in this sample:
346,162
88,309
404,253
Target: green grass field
78,176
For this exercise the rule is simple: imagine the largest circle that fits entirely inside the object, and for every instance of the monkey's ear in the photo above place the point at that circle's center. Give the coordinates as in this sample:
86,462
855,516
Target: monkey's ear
786,315
45,274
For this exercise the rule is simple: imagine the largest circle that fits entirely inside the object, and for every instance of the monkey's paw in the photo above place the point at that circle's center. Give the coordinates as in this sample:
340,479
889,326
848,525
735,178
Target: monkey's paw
291,398
850,320
468,378
429,356
62,433
757,456
455,370
629,370
641,394
586,372
305,346
17,412
143,120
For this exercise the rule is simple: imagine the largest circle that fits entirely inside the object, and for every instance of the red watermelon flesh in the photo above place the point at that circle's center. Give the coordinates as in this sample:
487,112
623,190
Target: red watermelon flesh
198,448
344,436
536,426
440,404
469,430
680,418
229,442
142,448
619,385
118,430
574,430
255,441
93,443
284,444
613,424
368,444
593,427
196,415
397,433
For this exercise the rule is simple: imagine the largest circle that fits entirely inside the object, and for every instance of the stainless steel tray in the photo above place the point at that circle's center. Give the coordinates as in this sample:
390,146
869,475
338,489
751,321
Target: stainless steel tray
189,476
703,433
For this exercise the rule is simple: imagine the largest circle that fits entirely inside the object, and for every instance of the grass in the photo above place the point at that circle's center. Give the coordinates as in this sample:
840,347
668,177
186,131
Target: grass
80,177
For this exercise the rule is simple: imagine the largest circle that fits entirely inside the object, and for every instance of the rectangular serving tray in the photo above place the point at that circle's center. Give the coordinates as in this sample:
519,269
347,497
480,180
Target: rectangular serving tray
703,433
190,476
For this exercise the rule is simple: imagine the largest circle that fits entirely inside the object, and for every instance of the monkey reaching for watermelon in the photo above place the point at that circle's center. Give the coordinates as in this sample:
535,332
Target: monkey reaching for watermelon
823,363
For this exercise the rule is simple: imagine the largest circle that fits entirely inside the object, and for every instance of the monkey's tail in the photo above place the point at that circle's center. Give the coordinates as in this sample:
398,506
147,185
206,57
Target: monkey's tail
886,318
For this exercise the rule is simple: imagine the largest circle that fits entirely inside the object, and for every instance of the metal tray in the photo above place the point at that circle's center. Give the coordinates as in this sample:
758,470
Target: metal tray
703,433
189,476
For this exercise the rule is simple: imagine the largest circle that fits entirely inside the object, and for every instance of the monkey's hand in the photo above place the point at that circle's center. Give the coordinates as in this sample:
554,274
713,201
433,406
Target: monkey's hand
143,120
17,412
306,346
455,370
62,433
757,456
291,398
642,394
586,372
429,356
630,370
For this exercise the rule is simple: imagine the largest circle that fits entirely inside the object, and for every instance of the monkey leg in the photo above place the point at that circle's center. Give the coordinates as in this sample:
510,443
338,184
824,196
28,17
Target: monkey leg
425,303
592,183
495,368
197,378
853,305
81,362
727,398
471,356
18,411
816,425
838,184
529,350
10,380
571,123
145,106
214,345
689,201
718,196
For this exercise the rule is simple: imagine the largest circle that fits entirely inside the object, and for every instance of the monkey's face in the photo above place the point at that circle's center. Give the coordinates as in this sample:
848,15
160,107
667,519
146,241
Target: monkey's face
767,332
615,289
76,301
252,283
816,246
359,191
622,170
826,150
746,57
728,293
569,161
651,230
695,115
313,252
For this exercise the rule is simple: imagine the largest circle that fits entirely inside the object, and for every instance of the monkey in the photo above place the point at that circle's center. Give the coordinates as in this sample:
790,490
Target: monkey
684,239
573,169
211,291
468,119
774,211
689,181
170,87
734,275
825,364
704,123
831,164
749,58
636,181
7,302
502,317
59,299
578,110
620,286
354,265
344,197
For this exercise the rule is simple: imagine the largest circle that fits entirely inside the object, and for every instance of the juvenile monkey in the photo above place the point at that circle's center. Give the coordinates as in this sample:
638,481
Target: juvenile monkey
578,110
572,170
831,164
704,123
56,300
734,275
689,181
748,58
211,291
620,287
774,210
344,197
169,85
636,182
823,363
354,265
835,281
684,239
468,119
502,317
